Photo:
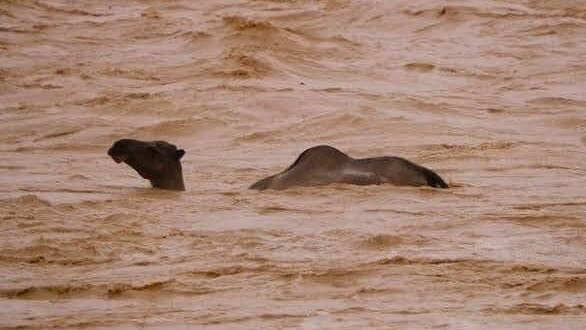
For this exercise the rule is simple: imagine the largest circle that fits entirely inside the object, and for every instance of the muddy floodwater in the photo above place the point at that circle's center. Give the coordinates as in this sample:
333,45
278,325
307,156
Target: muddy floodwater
491,94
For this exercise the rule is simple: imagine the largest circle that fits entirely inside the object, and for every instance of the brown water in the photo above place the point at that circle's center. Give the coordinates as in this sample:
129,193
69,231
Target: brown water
491,94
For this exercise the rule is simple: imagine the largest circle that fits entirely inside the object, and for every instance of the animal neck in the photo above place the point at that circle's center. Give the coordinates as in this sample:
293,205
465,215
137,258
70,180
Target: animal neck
171,179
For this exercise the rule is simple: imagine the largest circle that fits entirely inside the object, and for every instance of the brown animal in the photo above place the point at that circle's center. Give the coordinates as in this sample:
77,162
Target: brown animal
157,161
323,165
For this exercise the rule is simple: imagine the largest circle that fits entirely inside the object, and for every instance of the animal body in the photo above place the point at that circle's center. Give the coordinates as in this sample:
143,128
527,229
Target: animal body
322,165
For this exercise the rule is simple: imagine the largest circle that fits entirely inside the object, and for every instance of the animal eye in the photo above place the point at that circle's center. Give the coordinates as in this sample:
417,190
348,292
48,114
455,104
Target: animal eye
155,151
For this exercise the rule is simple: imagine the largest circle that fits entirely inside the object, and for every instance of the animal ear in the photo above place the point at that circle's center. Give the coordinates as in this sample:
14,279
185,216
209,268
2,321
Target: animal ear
179,153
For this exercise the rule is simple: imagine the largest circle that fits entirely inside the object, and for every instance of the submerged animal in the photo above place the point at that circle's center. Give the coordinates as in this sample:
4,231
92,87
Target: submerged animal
157,161
324,165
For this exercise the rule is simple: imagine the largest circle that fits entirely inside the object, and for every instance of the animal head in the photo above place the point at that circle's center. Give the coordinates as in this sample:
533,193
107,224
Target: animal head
158,161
